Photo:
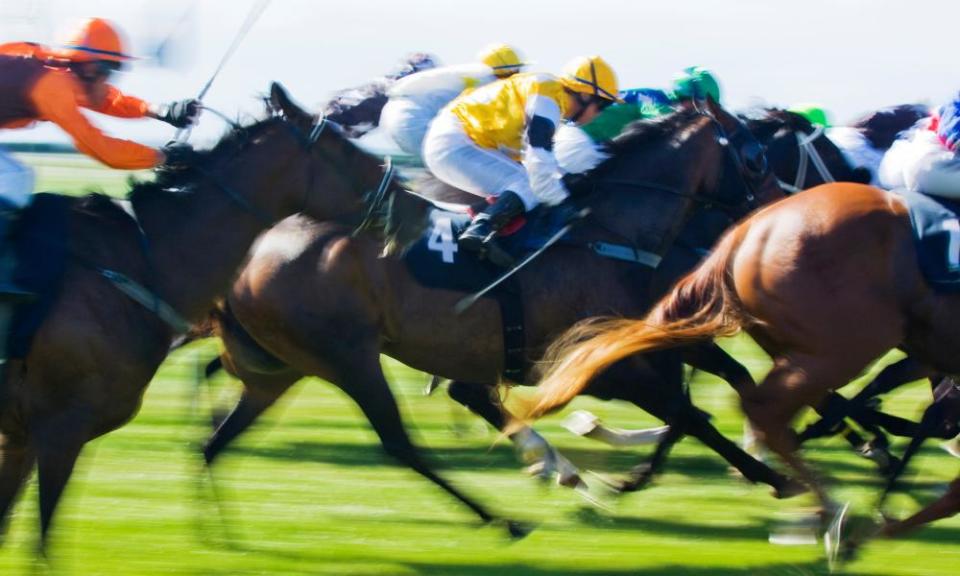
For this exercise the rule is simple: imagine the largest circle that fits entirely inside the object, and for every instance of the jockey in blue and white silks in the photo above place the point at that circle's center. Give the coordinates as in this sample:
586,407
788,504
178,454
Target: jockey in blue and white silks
417,99
927,160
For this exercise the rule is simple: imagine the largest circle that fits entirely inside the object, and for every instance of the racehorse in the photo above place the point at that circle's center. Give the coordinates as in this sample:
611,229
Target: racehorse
97,350
821,310
661,172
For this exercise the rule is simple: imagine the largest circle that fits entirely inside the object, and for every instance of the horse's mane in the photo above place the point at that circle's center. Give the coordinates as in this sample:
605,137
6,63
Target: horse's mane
882,127
641,132
234,140
765,122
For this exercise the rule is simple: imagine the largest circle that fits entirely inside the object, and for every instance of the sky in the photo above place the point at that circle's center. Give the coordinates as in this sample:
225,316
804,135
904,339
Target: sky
851,56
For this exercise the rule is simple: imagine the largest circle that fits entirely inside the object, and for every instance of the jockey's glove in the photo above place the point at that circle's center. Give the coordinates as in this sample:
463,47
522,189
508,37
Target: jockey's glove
179,114
178,155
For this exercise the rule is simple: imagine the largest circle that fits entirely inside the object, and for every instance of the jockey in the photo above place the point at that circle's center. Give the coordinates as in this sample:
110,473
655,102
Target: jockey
497,141
927,159
357,110
814,114
639,103
418,98
40,84
579,149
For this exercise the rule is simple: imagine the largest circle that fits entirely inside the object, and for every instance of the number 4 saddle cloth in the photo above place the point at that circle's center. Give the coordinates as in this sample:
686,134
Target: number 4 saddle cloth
936,231
436,261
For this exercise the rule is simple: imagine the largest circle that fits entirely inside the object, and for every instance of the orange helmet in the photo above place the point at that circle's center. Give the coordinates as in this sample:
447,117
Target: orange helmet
95,39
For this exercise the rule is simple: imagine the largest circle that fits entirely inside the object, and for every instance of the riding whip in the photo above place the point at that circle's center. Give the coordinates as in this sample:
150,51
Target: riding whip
255,11
469,301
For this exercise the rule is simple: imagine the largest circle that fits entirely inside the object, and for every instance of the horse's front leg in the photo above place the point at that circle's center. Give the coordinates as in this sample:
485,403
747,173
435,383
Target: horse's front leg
16,463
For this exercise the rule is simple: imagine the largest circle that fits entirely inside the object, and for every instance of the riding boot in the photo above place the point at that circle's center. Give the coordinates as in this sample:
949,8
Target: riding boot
10,292
480,236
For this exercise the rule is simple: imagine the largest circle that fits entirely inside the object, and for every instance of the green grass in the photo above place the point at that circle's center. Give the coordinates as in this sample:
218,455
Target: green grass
309,492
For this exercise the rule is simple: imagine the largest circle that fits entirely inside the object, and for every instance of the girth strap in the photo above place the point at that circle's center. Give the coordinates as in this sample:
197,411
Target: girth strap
514,335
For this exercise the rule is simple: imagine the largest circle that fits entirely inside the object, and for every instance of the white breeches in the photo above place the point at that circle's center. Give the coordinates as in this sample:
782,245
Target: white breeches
453,157
16,180
407,121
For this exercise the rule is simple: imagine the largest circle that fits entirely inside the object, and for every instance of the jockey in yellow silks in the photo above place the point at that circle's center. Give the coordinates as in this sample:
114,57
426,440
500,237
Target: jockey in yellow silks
416,99
497,142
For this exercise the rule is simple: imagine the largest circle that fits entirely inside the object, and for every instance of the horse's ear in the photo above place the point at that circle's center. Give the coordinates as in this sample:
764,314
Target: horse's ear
279,100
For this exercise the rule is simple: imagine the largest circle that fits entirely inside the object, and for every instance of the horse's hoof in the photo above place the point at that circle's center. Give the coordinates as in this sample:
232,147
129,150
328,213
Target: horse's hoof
581,423
789,489
571,480
539,470
519,530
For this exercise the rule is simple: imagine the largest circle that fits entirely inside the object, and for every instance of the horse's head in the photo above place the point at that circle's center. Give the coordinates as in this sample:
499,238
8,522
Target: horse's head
662,171
800,154
286,163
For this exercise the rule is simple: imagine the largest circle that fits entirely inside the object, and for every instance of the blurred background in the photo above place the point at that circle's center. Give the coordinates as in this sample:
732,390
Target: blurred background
851,56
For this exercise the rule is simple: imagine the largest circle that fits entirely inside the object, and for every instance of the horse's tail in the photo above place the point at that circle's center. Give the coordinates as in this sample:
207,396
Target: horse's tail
702,306
240,349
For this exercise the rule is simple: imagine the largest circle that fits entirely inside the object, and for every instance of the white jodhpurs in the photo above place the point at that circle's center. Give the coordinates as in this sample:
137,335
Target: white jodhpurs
407,121
16,181
453,157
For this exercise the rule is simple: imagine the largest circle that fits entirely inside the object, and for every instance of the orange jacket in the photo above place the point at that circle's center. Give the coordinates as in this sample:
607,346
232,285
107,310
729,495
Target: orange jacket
31,90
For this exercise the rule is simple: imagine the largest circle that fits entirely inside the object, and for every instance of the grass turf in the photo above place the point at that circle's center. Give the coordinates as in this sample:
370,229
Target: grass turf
309,492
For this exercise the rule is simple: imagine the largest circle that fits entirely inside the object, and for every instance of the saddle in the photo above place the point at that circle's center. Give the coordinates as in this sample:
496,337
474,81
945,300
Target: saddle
435,261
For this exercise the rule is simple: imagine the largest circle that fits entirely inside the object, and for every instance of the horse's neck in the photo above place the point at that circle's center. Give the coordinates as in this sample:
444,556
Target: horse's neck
651,219
196,242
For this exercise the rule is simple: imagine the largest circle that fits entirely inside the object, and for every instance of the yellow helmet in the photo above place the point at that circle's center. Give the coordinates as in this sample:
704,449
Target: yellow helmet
502,58
591,75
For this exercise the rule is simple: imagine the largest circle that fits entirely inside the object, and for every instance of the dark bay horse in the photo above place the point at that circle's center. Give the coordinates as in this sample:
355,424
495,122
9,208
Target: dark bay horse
276,330
97,350
821,310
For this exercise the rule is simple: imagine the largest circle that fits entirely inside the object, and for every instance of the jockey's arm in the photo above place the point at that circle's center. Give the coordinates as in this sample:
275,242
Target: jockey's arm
121,105
56,98
543,115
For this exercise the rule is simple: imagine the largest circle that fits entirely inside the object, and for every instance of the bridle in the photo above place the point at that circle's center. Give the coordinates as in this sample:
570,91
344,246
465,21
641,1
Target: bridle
732,143
808,154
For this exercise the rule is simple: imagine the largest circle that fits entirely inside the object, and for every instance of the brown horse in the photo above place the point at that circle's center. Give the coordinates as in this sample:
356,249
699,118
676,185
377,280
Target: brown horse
825,281
97,350
276,330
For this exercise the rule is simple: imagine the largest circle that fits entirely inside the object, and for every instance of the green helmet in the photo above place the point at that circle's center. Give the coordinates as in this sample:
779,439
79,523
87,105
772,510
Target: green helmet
813,113
695,82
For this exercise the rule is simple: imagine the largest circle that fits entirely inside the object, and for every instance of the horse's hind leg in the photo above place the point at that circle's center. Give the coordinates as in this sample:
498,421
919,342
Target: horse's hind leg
790,385
16,462
944,507
751,468
58,441
260,391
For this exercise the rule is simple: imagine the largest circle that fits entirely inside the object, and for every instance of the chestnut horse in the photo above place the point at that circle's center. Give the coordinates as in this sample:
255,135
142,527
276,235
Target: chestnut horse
821,309
95,353
276,330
